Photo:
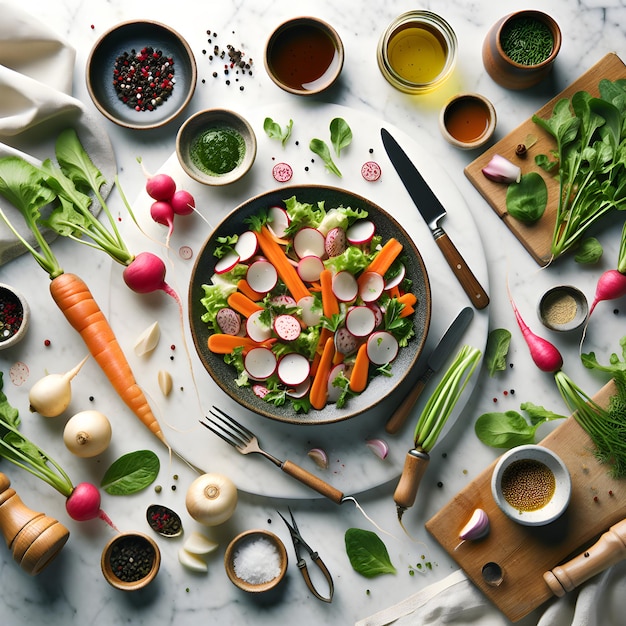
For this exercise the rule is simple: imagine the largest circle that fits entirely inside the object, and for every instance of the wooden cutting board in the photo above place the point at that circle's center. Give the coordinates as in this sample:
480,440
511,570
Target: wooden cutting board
536,238
524,553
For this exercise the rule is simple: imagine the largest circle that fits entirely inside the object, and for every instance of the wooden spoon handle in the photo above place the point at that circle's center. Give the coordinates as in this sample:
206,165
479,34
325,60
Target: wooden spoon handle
608,550
312,481
415,464
398,417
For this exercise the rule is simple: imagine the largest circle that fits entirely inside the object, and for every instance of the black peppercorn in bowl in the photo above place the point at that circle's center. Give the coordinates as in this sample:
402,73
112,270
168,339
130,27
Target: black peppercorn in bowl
14,316
141,74
130,561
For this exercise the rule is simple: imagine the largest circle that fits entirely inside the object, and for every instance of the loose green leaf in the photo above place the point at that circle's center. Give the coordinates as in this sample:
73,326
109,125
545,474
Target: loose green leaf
131,473
527,200
320,148
340,134
589,252
367,553
497,350
275,131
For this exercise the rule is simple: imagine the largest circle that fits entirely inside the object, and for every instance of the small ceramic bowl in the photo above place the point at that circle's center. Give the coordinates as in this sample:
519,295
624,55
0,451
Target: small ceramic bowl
116,555
468,121
304,56
531,485
118,103
14,316
244,550
206,137
563,308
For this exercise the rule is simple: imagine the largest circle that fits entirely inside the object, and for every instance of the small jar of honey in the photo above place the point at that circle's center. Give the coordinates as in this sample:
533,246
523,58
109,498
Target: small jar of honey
468,121
417,52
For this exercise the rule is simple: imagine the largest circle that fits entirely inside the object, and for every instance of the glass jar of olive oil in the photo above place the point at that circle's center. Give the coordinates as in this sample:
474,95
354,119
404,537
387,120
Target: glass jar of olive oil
417,52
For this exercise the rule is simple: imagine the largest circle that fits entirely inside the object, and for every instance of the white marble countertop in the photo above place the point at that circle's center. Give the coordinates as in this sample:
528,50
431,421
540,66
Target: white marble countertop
72,588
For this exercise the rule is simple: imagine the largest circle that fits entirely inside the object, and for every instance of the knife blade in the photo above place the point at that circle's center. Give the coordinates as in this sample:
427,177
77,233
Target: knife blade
435,360
432,211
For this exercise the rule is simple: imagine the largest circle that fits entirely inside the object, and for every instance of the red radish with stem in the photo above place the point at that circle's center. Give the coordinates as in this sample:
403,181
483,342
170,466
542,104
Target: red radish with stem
183,202
162,212
83,504
610,286
161,187
146,273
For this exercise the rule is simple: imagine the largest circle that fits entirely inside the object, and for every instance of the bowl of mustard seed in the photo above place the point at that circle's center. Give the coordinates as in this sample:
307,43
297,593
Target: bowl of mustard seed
563,308
141,74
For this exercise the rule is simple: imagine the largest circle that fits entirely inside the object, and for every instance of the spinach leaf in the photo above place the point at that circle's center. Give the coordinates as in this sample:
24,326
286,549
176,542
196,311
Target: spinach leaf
497,349
527,200
340,134
131,473
320,148
274,130
367,553
589,252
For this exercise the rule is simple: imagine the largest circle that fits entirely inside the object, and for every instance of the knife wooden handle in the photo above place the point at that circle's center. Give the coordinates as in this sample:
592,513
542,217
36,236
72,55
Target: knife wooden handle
312,481
461,269
398,417
608,550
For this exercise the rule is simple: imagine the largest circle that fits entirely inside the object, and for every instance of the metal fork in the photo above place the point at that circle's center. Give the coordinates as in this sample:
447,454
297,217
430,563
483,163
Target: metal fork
246,442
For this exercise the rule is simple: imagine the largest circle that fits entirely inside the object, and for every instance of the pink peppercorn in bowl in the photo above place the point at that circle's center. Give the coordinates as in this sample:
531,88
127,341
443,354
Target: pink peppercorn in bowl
256,561
14,316
141,74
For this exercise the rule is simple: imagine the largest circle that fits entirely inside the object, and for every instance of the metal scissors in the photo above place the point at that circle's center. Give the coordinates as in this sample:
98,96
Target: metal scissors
299,542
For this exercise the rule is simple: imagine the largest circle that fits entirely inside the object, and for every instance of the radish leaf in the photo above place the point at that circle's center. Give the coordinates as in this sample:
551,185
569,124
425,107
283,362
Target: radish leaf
131,473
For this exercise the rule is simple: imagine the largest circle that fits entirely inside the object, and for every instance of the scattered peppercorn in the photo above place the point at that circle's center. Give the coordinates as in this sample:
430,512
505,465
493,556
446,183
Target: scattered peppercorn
521,150
235,62
440,484
163,520
91,398
47,342
158,489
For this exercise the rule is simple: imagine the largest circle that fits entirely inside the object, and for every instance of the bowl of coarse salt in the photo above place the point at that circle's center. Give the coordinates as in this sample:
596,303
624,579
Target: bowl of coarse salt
256,561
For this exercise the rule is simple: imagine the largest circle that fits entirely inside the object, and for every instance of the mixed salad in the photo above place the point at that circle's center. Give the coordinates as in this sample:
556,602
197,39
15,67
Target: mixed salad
308,304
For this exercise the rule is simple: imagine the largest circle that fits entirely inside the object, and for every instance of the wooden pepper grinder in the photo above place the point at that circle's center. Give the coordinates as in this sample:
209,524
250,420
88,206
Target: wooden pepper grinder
34,538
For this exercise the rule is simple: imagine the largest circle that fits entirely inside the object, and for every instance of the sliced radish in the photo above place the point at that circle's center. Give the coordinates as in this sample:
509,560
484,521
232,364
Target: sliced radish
228,320
372,286
345,342
345,286
371,171
287,327
360,321
335,242
311,313
283,300
278,220
309,268
300,390
226,263
361,232
308,242
247,245
382,347
293,369
262,276
397,279
378,313
282,172
256,329
260,363
334,391
260,390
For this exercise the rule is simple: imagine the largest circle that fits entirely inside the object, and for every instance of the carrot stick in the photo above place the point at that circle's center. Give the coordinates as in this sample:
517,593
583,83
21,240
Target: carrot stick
385,257
75,301
406,311
394,292
285,269
330,305
243,304
325,333
245,289
224,344
360,370
408,299
319,388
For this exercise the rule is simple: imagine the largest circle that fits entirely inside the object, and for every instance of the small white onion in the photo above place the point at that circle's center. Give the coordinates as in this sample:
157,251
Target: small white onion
87,434
211,499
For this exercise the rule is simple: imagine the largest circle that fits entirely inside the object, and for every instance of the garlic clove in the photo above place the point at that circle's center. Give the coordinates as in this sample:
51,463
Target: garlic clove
501,170
477,526
199,545
378,447
165,382
148,340
191,561
320,458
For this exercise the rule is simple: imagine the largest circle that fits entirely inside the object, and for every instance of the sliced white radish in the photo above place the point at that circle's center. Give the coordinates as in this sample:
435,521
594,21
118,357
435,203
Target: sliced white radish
260,391
260,363
394,281
191,561
278,220
226,263
361,232
287,327
371,286
335,242
345,286
262,276
309,268
300,390
247,245
311,311
382,347
256,329
196,543
228,320
378,313
334,391
308,241
345,342
293,369
360,321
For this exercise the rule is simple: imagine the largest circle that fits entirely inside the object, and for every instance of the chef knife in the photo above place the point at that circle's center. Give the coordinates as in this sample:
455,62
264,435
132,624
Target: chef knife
435,360
432,211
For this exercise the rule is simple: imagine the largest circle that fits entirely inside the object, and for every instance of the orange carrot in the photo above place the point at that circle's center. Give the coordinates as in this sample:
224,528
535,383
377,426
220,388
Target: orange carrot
394,292
285,269
406,311
408,299
330,305
243,304
360,370
325,333
245,289
319,388
224,344
75,301
385,257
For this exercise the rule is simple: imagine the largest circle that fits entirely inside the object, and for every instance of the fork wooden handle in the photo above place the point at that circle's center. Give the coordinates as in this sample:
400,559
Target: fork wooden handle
312,481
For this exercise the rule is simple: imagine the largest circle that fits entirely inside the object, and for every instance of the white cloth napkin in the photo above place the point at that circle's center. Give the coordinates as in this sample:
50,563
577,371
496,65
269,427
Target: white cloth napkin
456,600
36,77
